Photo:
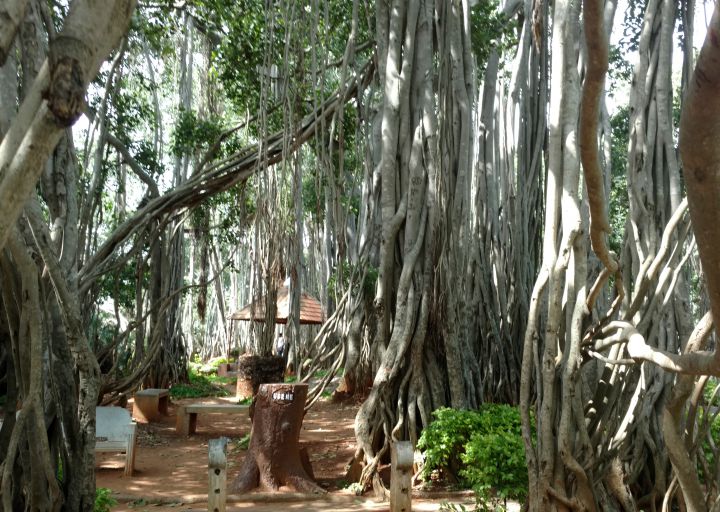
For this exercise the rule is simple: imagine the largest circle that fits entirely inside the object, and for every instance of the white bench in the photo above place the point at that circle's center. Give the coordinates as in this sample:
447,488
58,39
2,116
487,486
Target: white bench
116,432
186,421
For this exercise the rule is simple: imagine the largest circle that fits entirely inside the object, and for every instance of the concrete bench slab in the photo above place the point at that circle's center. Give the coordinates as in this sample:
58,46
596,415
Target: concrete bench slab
186,422
116,432
150,404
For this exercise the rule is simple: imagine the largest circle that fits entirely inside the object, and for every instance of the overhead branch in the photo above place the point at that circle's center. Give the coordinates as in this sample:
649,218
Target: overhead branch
593,86
134,165
690,363
221,176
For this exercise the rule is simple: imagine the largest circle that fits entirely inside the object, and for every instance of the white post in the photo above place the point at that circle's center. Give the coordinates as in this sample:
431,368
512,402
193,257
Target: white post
217,475
401,458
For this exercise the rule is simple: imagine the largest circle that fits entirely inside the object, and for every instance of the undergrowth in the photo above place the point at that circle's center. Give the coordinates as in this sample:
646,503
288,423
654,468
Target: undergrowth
201,385
103,500
480,450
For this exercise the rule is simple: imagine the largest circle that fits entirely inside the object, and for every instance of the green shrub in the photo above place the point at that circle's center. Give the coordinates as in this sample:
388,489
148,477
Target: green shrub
482,449
200,385
444,440
103,500
709,437
496,462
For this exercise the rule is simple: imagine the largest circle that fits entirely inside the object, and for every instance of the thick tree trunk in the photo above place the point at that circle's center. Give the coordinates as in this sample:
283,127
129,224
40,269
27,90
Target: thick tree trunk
274,459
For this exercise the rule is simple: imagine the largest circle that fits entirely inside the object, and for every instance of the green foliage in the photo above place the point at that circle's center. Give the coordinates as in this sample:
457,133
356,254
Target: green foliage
619,201
709,434
254,34
200,385
619,70
103,500
483,449
444,439
490,30
244,442
496,462
121,285
632,25
60,472
313,202
346,272
192,135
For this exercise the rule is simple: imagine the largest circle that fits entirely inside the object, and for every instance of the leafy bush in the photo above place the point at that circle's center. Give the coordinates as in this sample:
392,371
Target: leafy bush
496,461
200,385
708,432
483,449
103,500
445,438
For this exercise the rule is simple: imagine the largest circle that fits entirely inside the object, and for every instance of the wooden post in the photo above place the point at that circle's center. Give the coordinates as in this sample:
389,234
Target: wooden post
401,458
217,474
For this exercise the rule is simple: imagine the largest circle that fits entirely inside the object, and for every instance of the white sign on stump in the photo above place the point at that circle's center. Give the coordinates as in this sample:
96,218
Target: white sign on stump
217,475
401,458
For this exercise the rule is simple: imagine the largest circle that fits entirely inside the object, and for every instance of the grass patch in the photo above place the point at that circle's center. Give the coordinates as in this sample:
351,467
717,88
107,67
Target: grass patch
244,442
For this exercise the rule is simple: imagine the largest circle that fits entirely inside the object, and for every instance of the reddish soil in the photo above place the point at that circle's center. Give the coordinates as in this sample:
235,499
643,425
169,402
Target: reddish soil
171,471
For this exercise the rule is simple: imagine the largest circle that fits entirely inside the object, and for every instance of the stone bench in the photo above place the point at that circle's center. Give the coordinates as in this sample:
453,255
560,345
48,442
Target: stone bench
186,423
116,432
150,404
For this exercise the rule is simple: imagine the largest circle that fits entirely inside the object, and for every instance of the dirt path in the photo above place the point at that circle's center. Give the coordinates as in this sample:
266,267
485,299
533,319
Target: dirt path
171,471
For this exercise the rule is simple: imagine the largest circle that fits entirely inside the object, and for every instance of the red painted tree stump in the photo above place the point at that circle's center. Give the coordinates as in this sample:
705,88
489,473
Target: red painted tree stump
255,370
274,457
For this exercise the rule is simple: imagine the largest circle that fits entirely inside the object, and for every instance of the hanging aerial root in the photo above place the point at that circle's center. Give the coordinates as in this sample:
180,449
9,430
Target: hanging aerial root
597,66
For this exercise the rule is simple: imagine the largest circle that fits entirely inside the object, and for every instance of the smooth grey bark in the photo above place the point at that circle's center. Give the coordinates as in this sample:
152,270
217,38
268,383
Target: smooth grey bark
76,52
12,13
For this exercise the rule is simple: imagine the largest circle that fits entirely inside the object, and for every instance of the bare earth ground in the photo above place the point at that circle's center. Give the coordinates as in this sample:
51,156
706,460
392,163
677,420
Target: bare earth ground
171,471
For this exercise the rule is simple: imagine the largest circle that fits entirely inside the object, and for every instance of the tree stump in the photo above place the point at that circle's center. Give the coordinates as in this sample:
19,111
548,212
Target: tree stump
255,370
274,457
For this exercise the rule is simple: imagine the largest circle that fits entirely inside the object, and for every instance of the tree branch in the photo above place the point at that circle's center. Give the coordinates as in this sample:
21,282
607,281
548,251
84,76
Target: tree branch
220,176
134,165
693,363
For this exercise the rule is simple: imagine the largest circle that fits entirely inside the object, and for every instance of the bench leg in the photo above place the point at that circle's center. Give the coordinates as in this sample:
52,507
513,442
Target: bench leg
192,426
182,422
163,405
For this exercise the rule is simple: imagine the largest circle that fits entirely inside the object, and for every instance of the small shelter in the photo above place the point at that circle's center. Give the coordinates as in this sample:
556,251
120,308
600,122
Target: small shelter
311,311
